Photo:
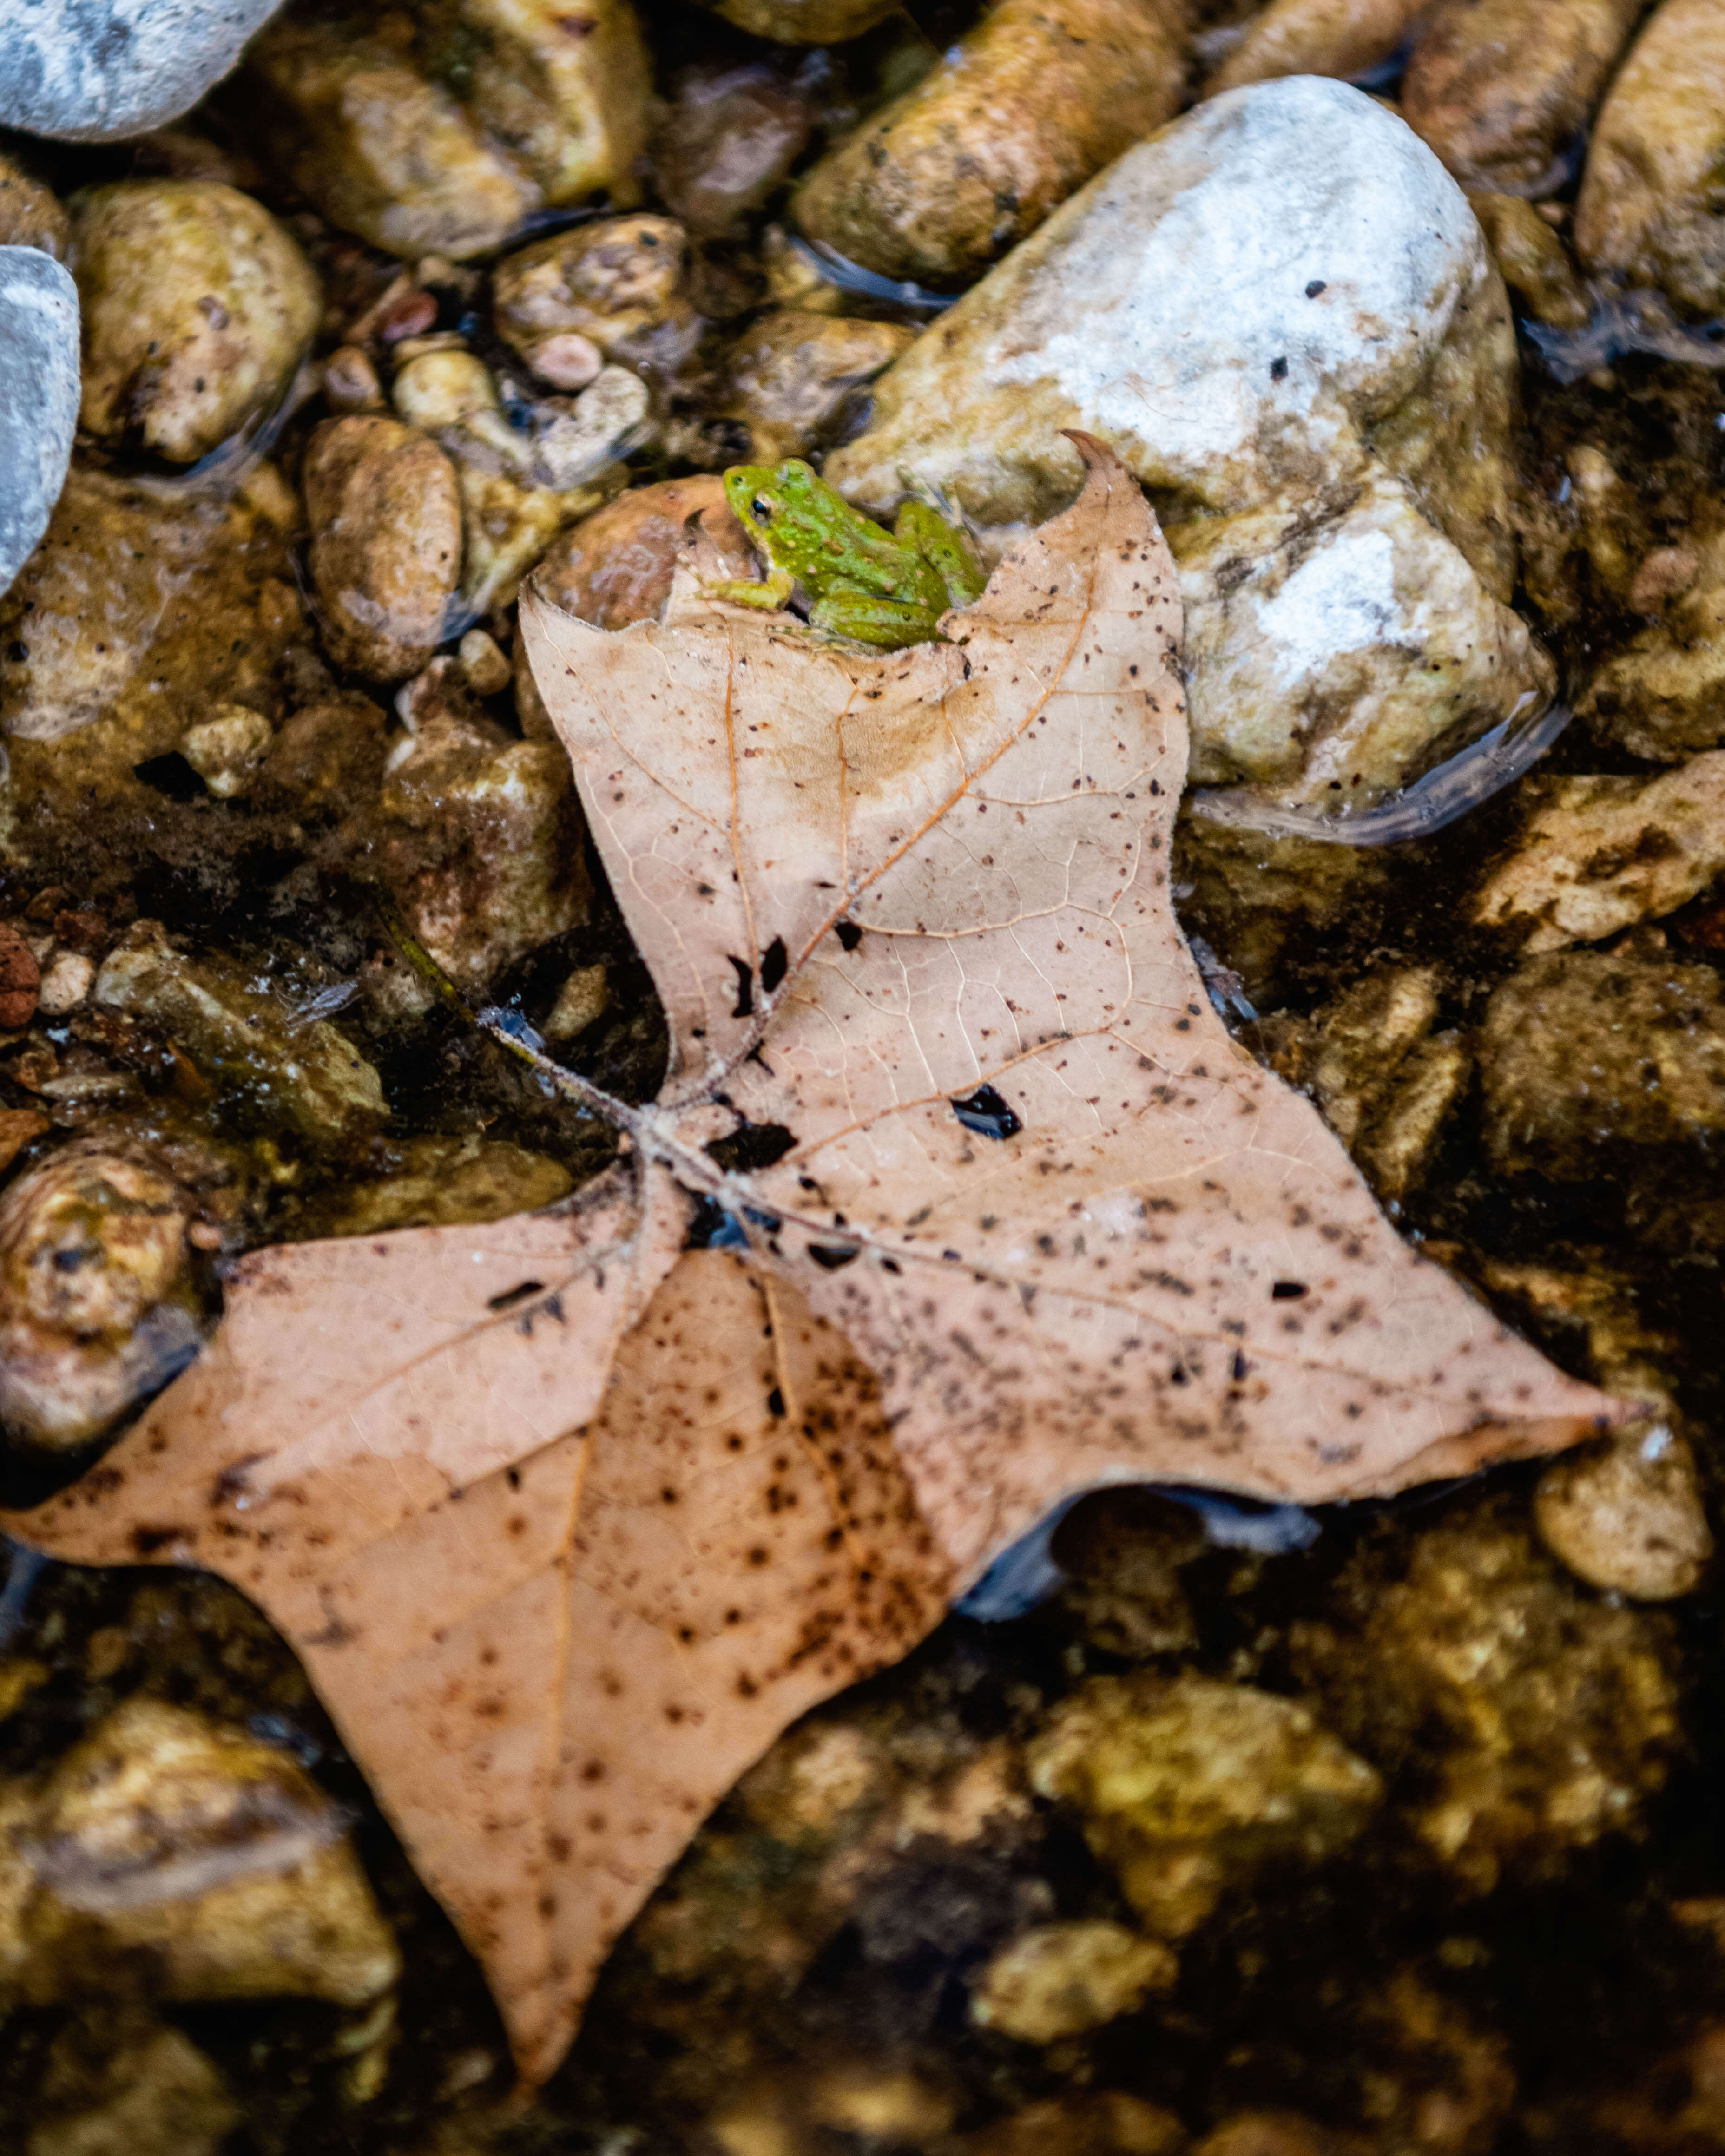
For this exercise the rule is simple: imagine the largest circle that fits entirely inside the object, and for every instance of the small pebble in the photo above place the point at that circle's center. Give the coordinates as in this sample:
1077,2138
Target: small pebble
486,669
580,1000
568,361
410,315
1059,1980
229,750
1628,1516
65,984
350,380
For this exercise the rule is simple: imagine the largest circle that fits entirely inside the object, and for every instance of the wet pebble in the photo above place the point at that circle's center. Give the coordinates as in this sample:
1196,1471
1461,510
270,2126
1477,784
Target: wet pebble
1500,88
1627,1516
98,1304
1008,122
386,542
198,306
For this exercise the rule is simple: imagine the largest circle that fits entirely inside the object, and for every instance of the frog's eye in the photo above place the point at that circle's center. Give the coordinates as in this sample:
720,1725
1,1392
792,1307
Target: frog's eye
761,508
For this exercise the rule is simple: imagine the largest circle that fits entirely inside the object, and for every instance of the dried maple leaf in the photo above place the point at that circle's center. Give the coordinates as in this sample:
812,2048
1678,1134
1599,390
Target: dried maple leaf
568,1517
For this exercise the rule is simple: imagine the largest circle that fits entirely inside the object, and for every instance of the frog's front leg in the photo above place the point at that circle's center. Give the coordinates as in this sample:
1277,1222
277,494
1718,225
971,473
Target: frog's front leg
865,617
773,590
945,547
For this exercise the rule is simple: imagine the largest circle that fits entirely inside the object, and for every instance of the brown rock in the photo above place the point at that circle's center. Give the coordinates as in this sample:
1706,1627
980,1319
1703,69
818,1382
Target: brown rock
136,613
791,375
18,1127
728,142
1498,88
1016,117
20,979
386,548
620,283
616,567
1343,38
29,214
350,110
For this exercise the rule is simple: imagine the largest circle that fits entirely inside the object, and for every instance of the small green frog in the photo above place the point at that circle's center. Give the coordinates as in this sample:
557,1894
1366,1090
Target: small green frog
886,588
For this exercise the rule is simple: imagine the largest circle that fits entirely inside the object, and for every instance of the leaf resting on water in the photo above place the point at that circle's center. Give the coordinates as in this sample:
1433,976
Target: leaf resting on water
568,1518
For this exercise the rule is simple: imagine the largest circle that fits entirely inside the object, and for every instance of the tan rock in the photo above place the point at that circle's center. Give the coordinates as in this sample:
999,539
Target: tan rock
385,151
1061,1980
582,1001
196,307
214,1861
881,2101
481,843
385,545
793,374
483,663
1343,38
1626,1516
440,1182
1531,260
1663,696
1648,207
1019,114
1185,1788
1106,2123
99,1307
1298,630
1397,1148
1597,855
804,22
1500,87
229,749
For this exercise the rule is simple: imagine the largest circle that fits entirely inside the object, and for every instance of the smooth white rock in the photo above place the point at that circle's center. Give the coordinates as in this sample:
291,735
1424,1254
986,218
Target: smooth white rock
38,411
1282,314
1154,306
86,70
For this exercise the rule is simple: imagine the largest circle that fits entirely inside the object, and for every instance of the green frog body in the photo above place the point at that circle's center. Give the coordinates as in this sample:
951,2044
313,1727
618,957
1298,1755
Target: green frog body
879,587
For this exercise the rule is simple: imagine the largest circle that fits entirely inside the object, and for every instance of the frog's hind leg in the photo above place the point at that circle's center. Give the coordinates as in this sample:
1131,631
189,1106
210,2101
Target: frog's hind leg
888,624
945,547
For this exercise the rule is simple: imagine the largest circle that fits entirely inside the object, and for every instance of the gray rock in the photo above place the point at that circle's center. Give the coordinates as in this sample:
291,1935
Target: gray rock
38,361
86,70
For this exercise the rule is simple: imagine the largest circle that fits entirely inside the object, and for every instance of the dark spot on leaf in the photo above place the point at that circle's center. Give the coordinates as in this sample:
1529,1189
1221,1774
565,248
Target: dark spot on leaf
1287,1291
830,1256
510,1297
750,1146
987,1113
848,934
745,989
774,964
